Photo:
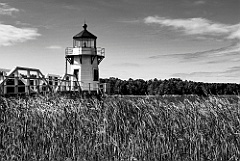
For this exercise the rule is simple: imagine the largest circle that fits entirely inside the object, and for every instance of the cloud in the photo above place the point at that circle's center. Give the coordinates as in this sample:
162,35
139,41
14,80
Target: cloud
5,9
71,7
54,47
200,2
128,65
198,26
231,74
235,34
10,35
198,74
22,23
232,50
220,57
130,21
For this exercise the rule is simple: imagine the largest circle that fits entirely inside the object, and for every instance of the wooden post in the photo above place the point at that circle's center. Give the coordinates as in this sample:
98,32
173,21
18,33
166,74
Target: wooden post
79,87
38,83
28,82
70,82
89,88
15,82
3,89
97,88
4,77
65,65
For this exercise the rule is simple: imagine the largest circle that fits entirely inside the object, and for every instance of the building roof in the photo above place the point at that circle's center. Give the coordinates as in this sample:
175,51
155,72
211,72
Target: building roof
4,70
85,34
53,75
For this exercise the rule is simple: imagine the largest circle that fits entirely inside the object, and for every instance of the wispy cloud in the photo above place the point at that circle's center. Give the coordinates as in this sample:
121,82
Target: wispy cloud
229,74
128,65
233,72
198,26
10,35
5,9
22,23
71,7
54,47
198,74
224,52
130,21
200,2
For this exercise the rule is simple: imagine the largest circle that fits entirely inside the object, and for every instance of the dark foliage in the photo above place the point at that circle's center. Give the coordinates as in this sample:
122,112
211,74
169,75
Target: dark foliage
170,86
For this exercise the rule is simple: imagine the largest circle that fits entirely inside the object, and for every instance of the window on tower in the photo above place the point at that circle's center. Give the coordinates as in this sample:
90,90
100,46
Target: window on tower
95,75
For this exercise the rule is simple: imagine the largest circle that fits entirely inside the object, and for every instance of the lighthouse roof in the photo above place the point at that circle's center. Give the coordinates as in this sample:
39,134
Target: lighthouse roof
85,34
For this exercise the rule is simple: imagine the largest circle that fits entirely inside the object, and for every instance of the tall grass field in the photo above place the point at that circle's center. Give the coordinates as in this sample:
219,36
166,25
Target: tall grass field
120,129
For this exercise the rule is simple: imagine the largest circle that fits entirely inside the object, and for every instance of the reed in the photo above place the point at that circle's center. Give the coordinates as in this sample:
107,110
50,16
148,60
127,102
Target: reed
118,129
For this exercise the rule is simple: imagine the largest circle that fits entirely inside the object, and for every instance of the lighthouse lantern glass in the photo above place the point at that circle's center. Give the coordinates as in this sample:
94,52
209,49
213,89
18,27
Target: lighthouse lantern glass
84,43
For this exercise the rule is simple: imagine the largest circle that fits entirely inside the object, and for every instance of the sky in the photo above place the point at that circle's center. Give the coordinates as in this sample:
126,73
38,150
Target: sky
196,40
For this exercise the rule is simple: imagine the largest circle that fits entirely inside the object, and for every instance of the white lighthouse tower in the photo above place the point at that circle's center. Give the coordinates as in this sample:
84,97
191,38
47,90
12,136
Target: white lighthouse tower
84,58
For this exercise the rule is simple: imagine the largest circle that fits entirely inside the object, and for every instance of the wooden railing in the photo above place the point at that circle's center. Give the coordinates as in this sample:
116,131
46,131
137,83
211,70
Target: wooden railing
98,51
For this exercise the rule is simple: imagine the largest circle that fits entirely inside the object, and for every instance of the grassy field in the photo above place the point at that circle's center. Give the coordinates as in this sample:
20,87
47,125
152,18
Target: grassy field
118,129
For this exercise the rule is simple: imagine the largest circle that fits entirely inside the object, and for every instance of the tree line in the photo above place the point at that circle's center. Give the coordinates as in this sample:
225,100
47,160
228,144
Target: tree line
170,86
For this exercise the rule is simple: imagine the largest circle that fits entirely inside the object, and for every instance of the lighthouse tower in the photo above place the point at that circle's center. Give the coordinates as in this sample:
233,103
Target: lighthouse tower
84,58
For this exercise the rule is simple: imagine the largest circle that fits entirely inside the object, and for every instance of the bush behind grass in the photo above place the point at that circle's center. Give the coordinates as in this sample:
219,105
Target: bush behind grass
162,128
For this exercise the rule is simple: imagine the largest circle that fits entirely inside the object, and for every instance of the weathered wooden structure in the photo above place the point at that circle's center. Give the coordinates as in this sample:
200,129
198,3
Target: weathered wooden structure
23,80
28,81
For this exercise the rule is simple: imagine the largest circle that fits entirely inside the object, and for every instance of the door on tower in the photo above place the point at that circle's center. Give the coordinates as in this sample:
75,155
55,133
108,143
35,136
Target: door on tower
76,73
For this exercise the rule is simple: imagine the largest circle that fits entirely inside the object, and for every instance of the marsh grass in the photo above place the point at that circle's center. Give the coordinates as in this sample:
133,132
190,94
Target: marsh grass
117,129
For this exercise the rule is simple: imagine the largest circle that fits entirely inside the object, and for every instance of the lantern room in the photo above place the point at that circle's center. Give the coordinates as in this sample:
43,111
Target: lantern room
84,39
